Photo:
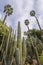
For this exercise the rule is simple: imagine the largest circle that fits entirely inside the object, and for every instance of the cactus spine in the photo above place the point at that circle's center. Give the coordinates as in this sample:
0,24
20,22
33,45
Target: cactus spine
19,43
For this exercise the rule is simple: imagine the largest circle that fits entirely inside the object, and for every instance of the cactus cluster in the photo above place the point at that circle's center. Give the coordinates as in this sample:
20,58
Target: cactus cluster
15,51
12,51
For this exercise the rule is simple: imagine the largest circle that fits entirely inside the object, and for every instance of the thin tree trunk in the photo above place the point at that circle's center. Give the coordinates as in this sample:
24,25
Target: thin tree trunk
38,23
4,18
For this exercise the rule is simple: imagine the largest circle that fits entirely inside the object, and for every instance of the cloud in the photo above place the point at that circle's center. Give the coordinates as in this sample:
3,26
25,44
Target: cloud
22,9
0,16
40,12
21,12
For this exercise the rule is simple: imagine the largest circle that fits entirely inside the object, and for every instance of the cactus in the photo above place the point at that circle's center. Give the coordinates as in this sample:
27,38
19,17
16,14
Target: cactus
14,62
5,53
13,49
34,50
17,56
7,46
24,50
7,43
19,43
37,57
2,43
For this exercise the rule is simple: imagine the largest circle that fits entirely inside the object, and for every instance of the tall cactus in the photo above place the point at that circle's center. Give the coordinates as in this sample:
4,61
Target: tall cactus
2,43
37,57
19,43
14,61
5,53
24,50
7,42
17,56
10,48
13,49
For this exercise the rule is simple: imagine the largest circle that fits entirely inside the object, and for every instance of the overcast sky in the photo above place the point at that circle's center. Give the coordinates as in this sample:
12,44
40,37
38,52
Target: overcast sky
21,12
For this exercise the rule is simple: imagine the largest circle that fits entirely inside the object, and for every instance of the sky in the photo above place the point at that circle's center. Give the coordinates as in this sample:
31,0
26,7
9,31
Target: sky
21,11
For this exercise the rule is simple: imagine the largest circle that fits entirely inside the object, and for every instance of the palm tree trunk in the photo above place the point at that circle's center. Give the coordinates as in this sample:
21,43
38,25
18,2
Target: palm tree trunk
4,18
38,23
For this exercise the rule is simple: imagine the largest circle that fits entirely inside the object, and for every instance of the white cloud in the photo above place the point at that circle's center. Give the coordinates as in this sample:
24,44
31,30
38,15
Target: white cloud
22,10
0,16
40,12
41,21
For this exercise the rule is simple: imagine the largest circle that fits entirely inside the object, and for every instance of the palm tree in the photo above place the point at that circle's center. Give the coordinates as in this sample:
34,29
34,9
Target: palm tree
27,23
8,10
32,13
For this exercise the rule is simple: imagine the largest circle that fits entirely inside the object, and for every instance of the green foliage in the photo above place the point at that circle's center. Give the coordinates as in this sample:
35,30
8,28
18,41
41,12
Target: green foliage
41,57
4,30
